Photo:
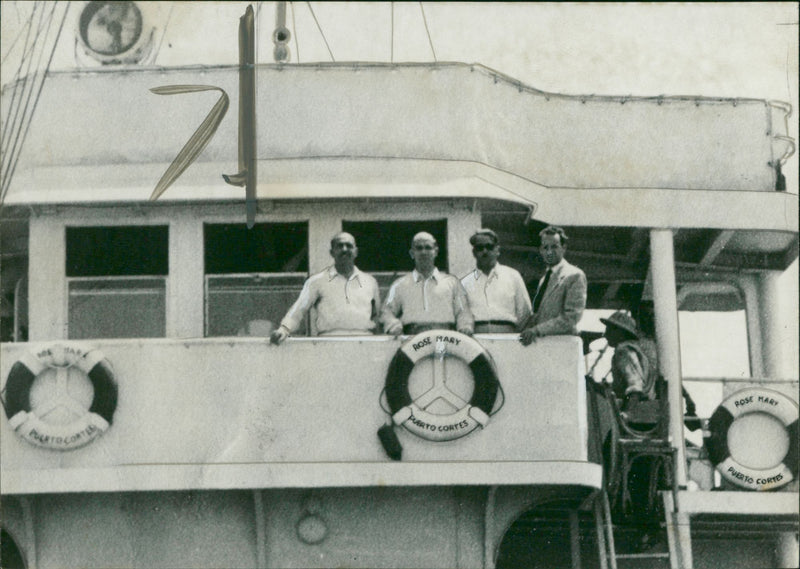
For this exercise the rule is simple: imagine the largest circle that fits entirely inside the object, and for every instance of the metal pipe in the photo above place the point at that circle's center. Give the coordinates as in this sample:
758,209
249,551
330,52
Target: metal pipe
260,528
488,528
665,302
575,539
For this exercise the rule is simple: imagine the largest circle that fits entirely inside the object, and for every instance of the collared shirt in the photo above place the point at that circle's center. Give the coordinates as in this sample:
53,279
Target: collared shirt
343,305
413,299
500,295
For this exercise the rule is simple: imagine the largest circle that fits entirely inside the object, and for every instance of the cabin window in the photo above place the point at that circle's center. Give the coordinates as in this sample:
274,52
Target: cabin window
383,247
117,281
252,276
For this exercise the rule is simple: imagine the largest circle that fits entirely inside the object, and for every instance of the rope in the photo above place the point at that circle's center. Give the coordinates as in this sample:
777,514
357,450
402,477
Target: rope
320,31
425,20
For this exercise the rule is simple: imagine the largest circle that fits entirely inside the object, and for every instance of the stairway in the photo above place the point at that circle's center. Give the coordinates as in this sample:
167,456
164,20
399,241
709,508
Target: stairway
663,550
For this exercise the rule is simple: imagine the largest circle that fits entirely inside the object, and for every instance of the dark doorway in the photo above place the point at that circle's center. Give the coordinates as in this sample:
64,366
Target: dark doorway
540,538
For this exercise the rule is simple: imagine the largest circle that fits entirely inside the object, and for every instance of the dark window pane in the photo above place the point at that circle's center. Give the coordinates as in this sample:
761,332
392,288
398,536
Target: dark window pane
384,245
117,251
265,248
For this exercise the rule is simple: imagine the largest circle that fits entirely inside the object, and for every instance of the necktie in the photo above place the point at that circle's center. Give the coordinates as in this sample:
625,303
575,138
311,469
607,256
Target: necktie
537,300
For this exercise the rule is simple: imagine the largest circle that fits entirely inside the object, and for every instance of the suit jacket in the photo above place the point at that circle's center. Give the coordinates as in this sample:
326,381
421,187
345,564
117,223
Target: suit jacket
563,302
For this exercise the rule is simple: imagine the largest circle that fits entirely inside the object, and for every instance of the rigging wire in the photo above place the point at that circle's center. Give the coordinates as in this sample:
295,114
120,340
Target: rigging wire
320,31
29,49
16,89
391,59
294,33
7,179
10,127
425,20
19,34
164,32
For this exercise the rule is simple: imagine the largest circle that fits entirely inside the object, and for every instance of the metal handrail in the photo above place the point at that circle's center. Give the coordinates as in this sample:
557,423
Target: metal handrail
725,380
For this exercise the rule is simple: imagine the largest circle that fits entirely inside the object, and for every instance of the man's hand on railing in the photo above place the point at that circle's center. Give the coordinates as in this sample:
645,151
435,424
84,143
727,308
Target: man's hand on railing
279,335
395,329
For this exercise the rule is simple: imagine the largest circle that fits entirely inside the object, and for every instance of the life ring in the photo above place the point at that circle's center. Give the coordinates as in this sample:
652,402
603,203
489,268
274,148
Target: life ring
734,408
412,414
88,424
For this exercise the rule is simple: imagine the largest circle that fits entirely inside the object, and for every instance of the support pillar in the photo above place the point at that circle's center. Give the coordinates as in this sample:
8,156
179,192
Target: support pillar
665,302
771,329
788,554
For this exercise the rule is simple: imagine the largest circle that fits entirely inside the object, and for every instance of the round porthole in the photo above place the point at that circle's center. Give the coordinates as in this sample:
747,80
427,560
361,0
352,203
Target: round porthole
113,32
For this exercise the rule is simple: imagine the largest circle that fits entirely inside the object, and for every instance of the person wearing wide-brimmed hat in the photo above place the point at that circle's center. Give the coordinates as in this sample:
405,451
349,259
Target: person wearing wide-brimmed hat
634,367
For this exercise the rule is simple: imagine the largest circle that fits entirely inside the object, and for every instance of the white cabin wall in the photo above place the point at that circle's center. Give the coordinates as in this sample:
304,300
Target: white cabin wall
185,315
185,283
47,281
47,289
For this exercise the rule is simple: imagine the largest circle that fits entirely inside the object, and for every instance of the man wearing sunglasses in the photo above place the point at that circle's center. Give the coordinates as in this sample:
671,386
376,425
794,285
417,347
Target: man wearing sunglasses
497,295
560,298
346,300
426,298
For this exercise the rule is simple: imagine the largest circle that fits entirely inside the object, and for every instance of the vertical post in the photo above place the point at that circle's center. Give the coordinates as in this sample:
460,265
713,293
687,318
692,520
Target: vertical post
247,111
662,263
769,316
575,539
261,528
247,175
488,528
788,554
749,286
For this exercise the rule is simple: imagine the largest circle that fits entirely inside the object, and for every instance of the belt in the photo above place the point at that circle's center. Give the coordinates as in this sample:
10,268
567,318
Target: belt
495,322
410,329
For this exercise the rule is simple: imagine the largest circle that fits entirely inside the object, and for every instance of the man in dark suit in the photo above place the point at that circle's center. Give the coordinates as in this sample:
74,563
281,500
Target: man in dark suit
561,296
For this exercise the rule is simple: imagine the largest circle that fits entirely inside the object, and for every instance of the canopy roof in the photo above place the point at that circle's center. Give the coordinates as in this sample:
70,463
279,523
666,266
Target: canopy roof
101,136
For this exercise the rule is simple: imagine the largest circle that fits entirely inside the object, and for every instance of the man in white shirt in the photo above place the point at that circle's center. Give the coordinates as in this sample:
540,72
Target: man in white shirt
426,298
497,295
346,300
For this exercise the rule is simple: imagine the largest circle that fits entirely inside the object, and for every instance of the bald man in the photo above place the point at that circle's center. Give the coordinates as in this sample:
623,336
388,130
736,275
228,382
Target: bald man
426,298
346,300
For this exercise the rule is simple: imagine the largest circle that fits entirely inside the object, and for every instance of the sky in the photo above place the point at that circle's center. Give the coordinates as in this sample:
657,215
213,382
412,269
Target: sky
711,49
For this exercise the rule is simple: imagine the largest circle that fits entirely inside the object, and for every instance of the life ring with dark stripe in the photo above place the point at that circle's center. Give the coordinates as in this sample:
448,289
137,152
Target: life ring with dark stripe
717,440
89,423
412,414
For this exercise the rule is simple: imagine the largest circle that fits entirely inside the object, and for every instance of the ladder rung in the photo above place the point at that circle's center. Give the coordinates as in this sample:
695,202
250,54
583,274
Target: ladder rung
643,555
